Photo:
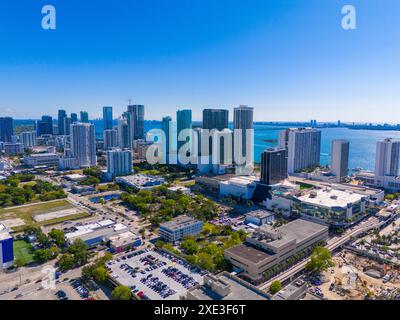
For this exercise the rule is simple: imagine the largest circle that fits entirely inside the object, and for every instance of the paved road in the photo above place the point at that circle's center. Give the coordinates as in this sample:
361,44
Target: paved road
36,286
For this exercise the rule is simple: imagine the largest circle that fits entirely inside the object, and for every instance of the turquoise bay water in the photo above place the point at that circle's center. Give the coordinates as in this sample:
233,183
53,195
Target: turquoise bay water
362,142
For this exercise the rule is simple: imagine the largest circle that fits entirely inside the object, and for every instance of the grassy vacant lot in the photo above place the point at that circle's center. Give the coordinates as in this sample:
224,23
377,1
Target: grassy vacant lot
26,213
30,184
23,252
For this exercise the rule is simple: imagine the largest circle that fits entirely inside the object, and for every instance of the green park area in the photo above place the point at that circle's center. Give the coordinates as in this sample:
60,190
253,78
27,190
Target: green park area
40,214
23,253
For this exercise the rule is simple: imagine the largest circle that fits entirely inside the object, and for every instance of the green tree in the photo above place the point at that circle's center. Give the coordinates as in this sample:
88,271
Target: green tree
92,172
66,262
43,240
20,261
32,230
44,255
190,246
275,287
205,261
79,250
58,237
87,271
19,200
321,260
100,274
122,293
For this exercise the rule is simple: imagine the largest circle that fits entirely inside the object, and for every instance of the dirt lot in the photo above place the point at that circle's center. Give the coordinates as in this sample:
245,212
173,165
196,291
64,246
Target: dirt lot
352,283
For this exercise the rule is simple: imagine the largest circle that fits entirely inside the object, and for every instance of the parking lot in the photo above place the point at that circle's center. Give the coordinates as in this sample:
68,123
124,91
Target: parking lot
154,275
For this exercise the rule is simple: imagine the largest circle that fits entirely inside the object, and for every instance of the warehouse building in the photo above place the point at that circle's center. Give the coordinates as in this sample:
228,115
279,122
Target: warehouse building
92,234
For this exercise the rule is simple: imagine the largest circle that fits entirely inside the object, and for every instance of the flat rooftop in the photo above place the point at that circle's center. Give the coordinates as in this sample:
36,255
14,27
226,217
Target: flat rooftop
298,231
4,234
75,176
178,223
238,291
366,191
331,197
260,214
91,230
42,155
301,229
141,179
122,238
249,253
241,180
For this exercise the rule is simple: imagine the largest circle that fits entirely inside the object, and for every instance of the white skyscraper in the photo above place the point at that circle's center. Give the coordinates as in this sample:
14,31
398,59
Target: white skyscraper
119,163
124,132
28,139
340,159
83,144
387,158
304,148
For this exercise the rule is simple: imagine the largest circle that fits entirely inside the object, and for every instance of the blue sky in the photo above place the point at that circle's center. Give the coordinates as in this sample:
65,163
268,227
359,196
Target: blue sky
289,59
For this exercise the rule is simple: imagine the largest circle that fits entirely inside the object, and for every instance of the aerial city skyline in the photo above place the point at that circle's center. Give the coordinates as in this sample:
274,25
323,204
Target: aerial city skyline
320,206
215,152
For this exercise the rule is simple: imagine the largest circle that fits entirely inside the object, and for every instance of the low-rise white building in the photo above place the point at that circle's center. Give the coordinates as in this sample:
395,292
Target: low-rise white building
42,159
141,181
240,187
12,149
260,217
68,163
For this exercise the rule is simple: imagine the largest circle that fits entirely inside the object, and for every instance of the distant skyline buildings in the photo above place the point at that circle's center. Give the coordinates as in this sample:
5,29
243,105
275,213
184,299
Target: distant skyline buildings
84,116
110,138
138,114
167,144
45,126
107,118
62,116
74,117
6,129
183,122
